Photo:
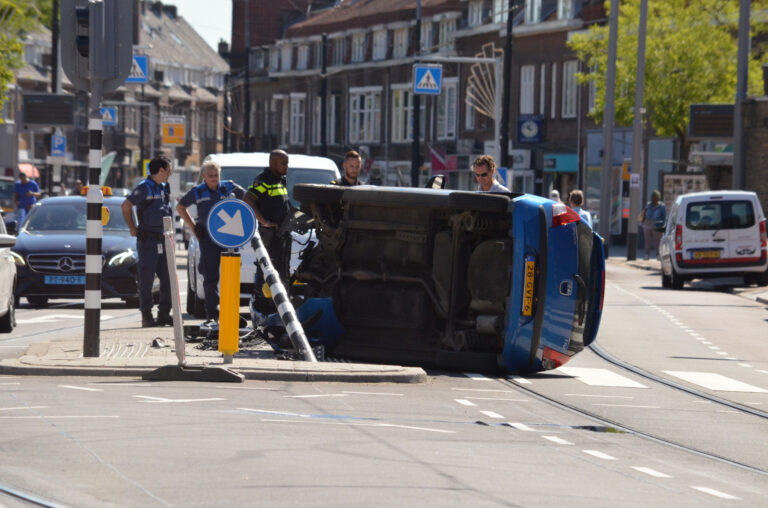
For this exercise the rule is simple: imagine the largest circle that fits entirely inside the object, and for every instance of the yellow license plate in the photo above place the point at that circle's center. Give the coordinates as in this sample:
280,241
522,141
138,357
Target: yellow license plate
530,271
706,254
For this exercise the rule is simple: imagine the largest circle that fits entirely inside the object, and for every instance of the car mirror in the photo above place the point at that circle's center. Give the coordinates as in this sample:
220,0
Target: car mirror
436,182
7,240
12,226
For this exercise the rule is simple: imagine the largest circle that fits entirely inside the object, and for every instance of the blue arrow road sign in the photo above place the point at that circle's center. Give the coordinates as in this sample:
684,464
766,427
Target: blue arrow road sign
427,79
109,116
58,146
139,70
231,223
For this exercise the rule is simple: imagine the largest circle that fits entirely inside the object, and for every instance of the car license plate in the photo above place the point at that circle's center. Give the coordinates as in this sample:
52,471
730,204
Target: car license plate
67,280
530,271
706,254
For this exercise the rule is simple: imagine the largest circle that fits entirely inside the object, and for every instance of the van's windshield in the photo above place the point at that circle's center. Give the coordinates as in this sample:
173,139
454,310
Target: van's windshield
244,176
709,215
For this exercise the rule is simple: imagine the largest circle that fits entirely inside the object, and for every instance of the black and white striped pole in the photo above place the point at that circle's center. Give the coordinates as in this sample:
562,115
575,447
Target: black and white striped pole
94,228
280,297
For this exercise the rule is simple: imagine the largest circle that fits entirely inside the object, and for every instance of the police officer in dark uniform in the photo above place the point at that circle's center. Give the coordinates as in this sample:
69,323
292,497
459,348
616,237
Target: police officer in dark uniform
268,197
204,196
153,202
352,163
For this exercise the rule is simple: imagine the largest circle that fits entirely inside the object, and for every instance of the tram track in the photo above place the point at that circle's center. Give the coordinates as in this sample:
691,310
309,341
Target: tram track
26,497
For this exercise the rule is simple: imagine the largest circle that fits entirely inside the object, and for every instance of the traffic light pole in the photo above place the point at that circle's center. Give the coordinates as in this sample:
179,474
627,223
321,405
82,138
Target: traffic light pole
94,228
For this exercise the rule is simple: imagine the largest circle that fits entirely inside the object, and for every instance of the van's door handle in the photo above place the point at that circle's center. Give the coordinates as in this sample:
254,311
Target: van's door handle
718,240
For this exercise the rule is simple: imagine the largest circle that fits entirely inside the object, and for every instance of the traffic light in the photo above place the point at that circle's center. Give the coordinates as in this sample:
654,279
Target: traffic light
97,41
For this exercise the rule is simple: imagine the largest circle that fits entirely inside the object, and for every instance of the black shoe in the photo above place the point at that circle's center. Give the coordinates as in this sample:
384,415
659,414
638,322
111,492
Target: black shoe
164,320
147,320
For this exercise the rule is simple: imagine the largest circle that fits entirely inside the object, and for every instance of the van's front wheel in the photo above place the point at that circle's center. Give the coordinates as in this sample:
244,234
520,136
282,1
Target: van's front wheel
665,281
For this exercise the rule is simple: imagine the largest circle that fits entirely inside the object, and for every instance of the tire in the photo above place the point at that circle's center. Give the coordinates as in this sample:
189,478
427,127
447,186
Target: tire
198,305
38,302
675,281
190,299
761,279
665,281
8,321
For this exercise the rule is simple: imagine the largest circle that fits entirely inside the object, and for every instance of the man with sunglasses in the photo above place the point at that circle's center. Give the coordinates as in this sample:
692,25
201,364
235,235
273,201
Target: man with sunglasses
484,169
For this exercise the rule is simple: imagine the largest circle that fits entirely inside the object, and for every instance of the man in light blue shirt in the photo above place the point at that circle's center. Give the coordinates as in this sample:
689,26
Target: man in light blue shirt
484,170
25,194
576,199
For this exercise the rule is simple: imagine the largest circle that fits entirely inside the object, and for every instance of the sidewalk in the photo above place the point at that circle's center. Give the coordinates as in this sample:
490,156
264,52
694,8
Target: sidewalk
136,351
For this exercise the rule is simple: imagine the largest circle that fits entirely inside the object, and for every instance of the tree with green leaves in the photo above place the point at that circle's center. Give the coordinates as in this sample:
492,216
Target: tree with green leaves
17,17
691,58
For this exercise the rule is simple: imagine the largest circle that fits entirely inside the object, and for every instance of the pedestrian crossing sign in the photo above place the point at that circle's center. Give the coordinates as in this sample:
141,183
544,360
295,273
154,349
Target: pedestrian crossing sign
427,79
139,70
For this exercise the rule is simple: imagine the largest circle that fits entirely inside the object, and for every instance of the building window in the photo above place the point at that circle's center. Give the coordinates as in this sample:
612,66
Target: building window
475,14
446,111
592,90
400,49
380,45
527,89
427,37
274,59
297,119
339,51
447,28
500,11
358,47
543,90
402,114
469,116
532,12
302,58
364,116
286,58
330,123
569,88
553,92
565,9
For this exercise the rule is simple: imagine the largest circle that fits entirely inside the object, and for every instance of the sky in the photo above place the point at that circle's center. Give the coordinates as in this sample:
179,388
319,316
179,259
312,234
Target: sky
211,19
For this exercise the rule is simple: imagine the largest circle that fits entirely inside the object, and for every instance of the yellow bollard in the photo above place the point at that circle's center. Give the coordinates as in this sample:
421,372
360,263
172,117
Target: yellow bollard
229,305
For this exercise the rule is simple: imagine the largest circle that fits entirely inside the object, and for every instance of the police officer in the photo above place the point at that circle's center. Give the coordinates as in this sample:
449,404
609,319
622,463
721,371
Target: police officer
204,196
351,165
152,200
268,197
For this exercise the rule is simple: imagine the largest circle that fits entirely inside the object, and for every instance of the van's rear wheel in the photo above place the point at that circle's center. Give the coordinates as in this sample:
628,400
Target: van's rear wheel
761,279
675,281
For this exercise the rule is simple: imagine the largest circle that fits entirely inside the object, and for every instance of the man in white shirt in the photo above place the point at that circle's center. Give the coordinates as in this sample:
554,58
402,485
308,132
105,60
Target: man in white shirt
484,169
576,199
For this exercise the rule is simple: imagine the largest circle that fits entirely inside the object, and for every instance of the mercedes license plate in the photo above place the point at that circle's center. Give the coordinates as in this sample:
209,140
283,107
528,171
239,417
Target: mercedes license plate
67,280
530,271
706,254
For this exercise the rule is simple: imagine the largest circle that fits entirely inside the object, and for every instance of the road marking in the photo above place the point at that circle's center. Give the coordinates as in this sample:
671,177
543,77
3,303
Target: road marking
465,402
491,414
746,365
13,347
715,382
706,343
6,384
356,424
481,390
520,380
600,377
628,405
714,348
55,317
651,472
557,440
713,492
722,353
249,388
81,388
762,371
316,396
22,407
476,377
497,398
521,426
376,393
49,417
730,358
599,455
161,399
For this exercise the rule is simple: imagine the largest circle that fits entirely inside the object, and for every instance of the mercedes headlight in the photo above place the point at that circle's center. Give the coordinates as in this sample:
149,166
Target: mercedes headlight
126,257
18,259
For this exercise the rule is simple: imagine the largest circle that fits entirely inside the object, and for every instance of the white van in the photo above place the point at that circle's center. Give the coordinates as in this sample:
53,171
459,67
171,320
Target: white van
714,234
243,168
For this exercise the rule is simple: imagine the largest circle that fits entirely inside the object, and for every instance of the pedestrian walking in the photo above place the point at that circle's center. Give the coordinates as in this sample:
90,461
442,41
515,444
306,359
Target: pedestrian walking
25,194
576,199
554,195
653,213
204,196
153,202
484,171
351,165
268,197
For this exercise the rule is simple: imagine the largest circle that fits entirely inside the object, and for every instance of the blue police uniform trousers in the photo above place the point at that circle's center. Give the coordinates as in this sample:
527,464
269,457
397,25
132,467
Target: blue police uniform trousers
150,262
210,262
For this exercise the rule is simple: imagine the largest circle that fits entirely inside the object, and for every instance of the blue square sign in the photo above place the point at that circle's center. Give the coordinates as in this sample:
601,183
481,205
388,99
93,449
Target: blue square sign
58,146
427,79
139,70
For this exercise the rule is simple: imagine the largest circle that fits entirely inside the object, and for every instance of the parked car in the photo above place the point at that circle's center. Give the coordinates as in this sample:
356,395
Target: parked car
714,234
243,168
50,252
452,278
7,281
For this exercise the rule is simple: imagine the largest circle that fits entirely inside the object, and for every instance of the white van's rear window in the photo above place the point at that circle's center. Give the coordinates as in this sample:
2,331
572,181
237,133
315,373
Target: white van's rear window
736,214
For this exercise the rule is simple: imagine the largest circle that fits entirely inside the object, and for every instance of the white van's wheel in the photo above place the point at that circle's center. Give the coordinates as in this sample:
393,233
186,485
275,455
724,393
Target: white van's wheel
665,282
762,278
675,281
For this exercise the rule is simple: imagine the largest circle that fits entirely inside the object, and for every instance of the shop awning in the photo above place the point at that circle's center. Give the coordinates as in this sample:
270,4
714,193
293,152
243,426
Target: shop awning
561,163
29,170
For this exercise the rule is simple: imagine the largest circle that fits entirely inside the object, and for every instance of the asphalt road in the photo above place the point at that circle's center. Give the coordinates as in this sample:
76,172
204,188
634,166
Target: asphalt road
588,434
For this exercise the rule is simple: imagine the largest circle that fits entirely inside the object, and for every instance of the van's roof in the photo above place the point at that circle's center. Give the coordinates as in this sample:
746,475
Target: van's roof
261,160
723,194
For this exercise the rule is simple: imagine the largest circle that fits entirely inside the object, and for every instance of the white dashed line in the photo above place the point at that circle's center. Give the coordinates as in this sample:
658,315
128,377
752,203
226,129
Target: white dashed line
651,472
8,384
316,396
599,377
722,353
713,492
599,396
476,377
81,388
557,440
22,407
491,414
519,379
628,405
497,398
521,426
376,393
161,399
716,382
599,455
465,402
